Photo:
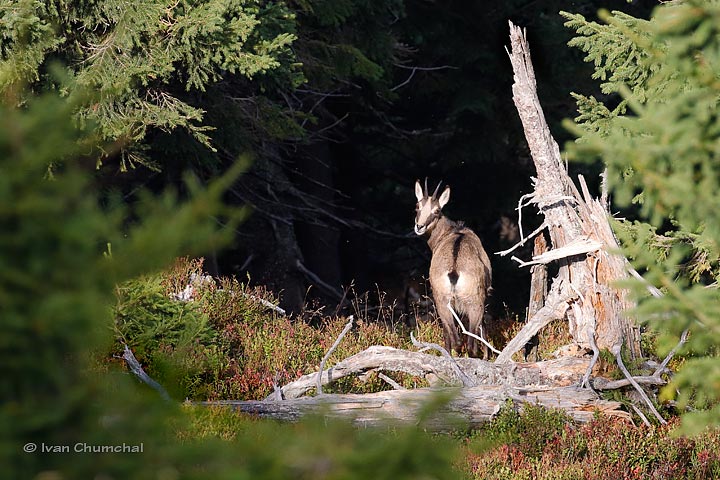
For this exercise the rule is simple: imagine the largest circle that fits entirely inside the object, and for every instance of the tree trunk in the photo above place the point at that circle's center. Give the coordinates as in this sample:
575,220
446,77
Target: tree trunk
580,233
456,407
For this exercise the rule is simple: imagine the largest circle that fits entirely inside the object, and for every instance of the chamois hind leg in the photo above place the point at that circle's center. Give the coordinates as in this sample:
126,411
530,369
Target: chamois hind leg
450,329
475,347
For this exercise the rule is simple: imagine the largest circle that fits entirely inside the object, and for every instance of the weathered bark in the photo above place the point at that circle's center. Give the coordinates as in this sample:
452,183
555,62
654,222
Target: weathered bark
464,406
538,294
580,233
538,279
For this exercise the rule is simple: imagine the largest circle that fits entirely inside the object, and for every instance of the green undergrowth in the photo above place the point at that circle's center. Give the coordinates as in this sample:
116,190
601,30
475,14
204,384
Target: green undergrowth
221,342
529,428
319,448
531,443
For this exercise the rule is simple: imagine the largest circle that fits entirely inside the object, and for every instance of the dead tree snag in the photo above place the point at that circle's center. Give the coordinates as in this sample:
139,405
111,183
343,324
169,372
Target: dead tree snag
584,291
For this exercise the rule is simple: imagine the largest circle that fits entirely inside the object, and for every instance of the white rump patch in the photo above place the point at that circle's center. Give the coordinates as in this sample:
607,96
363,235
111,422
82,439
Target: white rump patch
461,286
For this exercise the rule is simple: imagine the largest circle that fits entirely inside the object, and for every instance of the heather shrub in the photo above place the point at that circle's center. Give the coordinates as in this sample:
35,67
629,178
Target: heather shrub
221,342
527,430
601,449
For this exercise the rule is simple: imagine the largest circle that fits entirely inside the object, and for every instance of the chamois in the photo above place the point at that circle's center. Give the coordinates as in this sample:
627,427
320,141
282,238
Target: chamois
460,271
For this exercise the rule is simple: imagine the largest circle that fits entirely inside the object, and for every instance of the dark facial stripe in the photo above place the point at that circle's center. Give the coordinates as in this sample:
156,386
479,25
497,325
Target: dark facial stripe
425,213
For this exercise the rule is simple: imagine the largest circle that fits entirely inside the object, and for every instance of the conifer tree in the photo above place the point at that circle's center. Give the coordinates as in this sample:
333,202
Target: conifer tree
661,145
65,413
141,57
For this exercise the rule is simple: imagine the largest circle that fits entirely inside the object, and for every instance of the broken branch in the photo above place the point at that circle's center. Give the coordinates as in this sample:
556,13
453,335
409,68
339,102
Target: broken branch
633,382
579,246
348,326
522,241
138,371
434,346
468,333
555,307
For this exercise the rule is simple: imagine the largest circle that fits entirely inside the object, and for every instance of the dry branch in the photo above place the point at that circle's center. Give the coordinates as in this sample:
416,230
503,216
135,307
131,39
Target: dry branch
446,355
442,371
522,241
600,383
555,307
348,326
468,333
634,383
661,368
390,382
576,247
138,371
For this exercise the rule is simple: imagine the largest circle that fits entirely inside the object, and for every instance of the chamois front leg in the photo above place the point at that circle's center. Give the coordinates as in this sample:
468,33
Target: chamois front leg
453,341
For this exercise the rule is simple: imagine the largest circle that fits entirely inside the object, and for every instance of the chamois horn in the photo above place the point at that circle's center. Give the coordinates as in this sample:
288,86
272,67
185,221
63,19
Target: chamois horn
437,188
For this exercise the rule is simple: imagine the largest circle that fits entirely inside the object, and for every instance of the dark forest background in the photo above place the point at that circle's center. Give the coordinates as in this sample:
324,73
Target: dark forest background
375,94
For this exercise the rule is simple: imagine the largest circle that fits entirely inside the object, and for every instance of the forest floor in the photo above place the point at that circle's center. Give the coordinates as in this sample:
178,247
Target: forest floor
223,340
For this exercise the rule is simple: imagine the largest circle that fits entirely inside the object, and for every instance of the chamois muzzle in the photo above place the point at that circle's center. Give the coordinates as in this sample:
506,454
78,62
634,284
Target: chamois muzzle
425,221
428,208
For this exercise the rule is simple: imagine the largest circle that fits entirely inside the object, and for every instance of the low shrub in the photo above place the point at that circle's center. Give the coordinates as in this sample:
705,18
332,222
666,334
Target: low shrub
528,428
534,445
214,339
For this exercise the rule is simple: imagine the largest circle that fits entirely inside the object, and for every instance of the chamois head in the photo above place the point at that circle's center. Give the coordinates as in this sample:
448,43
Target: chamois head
429,207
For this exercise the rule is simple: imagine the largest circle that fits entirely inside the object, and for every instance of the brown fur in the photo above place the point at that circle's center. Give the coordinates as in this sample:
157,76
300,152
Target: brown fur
460,272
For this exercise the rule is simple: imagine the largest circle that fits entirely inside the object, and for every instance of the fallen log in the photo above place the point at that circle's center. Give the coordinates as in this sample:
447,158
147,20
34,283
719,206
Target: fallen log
437,409
551,383
439,371
445,406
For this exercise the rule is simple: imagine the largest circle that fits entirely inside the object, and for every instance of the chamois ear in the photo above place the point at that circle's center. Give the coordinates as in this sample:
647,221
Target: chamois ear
418,190
445,197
